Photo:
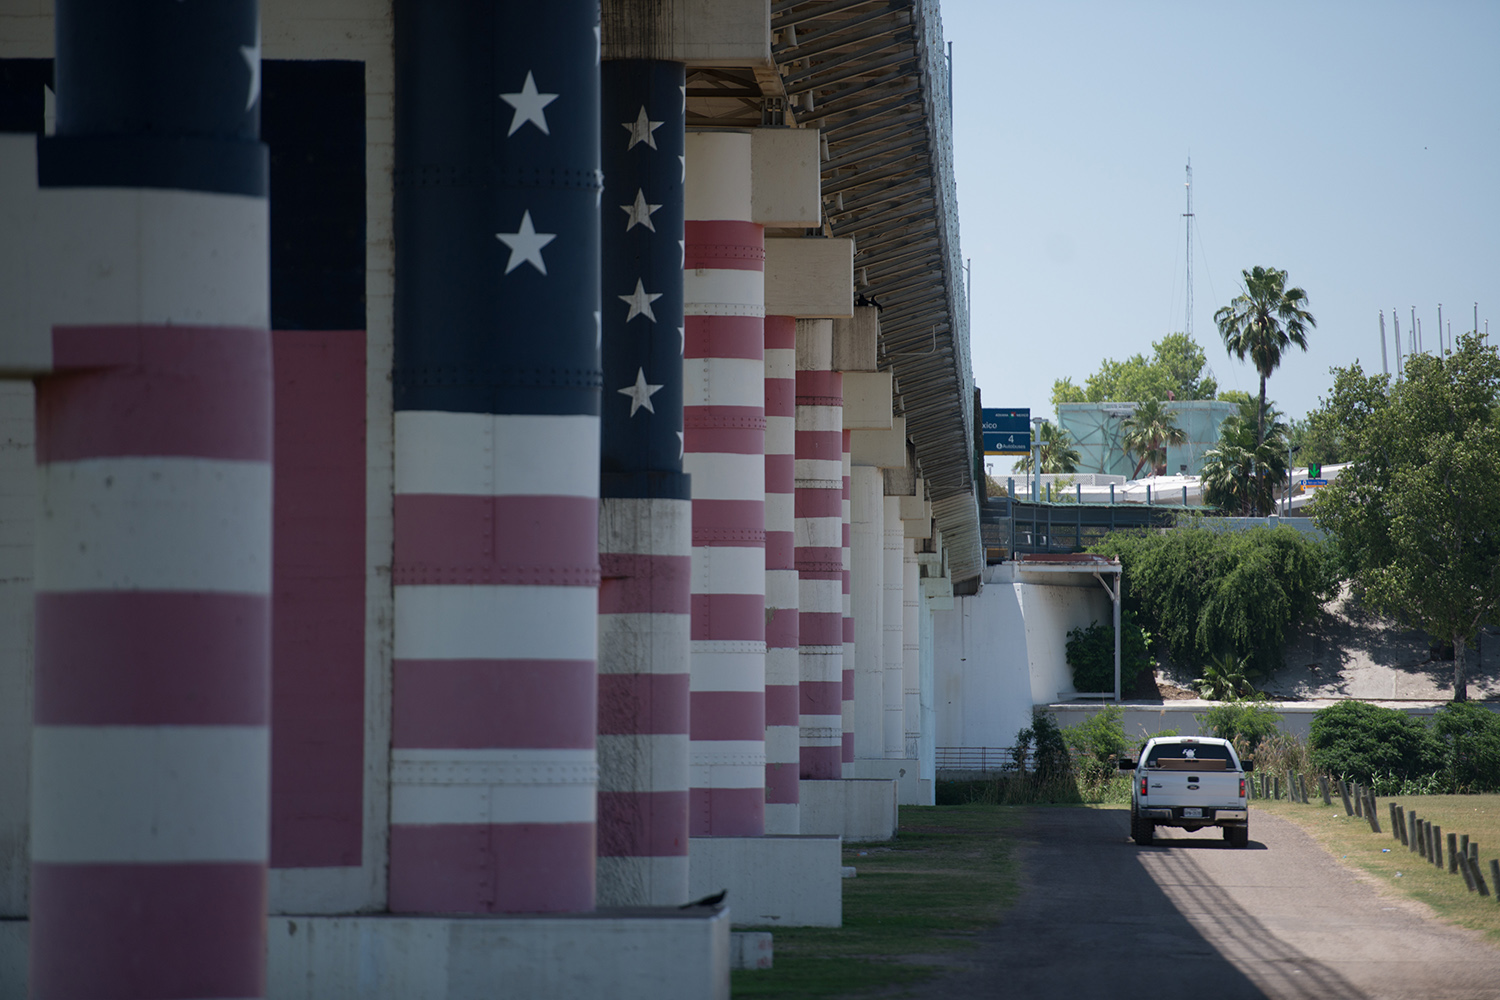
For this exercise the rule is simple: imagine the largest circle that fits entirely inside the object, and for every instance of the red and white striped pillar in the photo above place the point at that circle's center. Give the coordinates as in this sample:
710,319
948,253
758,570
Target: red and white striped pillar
724,427
893,622
911,647
849,649
820,570
783,746
151,749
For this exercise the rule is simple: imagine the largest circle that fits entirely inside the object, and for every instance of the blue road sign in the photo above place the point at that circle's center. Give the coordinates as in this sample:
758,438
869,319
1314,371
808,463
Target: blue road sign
1006,432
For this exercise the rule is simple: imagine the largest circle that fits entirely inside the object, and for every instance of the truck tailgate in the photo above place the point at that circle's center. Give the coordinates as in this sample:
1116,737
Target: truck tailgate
1211,789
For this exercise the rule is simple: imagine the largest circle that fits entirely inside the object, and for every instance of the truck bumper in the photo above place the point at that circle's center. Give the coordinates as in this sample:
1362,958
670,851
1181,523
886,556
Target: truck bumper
1173,815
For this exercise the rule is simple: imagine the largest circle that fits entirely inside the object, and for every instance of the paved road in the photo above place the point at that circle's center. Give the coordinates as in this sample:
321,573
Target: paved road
1101,917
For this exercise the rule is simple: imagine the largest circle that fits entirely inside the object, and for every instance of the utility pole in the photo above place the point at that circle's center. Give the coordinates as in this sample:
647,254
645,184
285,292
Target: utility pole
1188,215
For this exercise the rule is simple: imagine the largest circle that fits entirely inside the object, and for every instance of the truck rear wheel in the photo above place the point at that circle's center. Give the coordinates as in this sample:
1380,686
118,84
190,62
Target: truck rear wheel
1238,836
1142,831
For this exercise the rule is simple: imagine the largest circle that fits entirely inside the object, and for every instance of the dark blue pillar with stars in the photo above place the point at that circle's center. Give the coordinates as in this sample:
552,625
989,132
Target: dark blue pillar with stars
642,122
497,207
496,510
157,94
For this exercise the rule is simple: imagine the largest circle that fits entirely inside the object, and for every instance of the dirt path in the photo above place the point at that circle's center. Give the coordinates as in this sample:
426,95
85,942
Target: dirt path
1101,917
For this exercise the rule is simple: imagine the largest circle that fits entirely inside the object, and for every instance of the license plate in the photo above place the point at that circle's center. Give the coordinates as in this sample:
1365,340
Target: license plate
1192,814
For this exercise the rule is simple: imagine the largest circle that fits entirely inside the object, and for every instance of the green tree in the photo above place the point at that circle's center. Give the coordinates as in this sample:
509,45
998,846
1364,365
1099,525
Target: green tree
1207,592
1148,432
1415,512
1262,322
1240,474
1174,371
1058,454
1322,437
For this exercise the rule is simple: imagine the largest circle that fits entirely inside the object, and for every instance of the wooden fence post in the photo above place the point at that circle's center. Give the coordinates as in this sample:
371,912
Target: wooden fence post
1371,813
1401,824
1344,794
1453,851
1395,822
1484,890
1302,787
1414,825
1276,788
1467,872
1437,846
1323,785
1495,876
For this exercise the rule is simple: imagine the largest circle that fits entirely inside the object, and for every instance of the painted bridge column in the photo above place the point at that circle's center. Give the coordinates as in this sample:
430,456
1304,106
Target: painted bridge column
911,647
892,623
724,414
846,561
150,767
496,567
867,569
783,744
820,501
645,512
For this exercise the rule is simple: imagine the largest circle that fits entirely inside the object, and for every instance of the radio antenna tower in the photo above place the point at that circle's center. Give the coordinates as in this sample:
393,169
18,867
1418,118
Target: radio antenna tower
1188,215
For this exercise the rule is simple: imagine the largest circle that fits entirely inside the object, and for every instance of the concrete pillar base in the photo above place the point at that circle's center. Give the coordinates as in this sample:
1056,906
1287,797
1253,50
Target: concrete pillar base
750,949
772,881
910,791
645,952
642,952
854,809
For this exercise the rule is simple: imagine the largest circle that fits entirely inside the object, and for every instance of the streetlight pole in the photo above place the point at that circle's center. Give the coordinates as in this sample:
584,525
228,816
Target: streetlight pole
1036,459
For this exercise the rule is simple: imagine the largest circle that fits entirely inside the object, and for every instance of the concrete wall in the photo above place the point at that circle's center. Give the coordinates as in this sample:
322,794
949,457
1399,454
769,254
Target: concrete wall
1000,652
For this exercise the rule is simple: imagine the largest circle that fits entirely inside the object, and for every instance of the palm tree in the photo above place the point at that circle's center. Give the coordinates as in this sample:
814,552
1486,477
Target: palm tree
1058,453
1148,431
1261,323
1239,475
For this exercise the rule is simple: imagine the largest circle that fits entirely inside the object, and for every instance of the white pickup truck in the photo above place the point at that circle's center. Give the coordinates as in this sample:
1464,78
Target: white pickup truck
1188,782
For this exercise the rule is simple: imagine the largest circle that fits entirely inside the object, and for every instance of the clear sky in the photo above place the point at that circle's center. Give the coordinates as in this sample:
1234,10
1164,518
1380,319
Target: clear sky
1355,145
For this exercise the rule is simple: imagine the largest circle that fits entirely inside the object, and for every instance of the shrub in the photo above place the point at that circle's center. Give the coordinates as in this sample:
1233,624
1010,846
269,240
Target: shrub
1470,737
1357,740
1097,744
1277,753
1042,743
1091,654
1243,723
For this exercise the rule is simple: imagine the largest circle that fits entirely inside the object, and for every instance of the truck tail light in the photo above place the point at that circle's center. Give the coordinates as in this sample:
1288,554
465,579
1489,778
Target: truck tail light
1143,784
1242,788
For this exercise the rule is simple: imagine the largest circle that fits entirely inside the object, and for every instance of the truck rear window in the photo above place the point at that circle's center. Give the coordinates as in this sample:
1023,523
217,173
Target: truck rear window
1200,756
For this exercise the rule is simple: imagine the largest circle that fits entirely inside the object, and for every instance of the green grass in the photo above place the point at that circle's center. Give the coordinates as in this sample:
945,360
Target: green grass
1350,839
946,876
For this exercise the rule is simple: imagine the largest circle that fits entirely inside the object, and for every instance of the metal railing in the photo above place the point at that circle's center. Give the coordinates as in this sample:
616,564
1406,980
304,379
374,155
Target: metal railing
976,759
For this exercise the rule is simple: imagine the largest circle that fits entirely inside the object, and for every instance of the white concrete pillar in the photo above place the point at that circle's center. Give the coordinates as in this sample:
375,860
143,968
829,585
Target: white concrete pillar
867,571
892,626
911,648
847,750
